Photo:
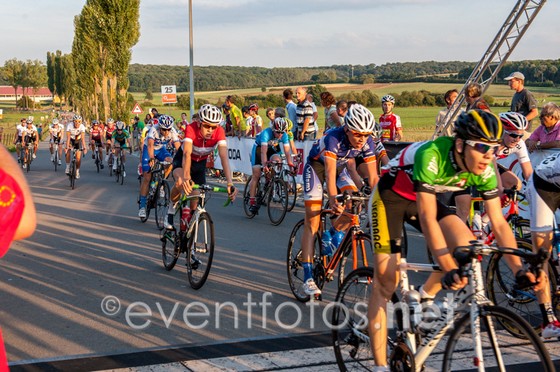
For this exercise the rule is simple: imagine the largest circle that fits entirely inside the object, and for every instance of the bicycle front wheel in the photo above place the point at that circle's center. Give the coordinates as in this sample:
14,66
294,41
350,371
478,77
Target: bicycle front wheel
201,252
121,171
364,251
349,322
161,205
291,186
246,197
170,248
277,201
55,160
499,348
73,174
500,282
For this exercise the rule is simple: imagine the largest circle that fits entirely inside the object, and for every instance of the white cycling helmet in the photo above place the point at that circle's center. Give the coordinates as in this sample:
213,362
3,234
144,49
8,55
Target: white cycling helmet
55,122
210,114
359,119
166,121
377,131
388,98
77,118
110,120
280,124
119,125
514,121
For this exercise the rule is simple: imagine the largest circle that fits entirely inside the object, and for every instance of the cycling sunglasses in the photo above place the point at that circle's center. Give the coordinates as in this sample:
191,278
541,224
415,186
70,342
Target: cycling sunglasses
208,126
513,135
482,147
360,135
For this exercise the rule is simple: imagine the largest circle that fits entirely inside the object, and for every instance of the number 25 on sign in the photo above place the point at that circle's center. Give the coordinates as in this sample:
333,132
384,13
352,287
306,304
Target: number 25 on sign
168,94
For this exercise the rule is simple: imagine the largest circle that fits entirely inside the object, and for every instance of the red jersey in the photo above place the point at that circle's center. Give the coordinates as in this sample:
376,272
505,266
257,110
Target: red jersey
109,131
389,124
96,134
202,147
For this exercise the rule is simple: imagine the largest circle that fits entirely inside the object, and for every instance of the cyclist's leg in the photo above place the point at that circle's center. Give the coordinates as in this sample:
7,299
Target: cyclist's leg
198,176
256,163
386,232
146,176
544,200
463,203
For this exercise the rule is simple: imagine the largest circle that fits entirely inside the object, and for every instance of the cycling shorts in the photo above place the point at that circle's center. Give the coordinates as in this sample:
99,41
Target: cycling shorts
314,177
118,144
159,154
19,140
57,140
256,155
544,200
97,142
198,168
388,211
75,143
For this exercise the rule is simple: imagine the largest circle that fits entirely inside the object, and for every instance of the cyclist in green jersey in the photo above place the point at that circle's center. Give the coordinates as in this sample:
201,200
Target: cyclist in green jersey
407,193
121,139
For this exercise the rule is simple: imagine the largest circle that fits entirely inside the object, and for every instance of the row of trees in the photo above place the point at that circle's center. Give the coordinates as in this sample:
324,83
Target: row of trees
27,75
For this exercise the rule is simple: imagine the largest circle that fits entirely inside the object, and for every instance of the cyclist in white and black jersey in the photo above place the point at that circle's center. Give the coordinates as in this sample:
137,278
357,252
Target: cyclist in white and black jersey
56,132
17,142
29,134
75,138
543,190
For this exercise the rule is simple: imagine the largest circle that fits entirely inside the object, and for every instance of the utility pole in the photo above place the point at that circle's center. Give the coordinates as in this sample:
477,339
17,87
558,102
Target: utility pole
191,63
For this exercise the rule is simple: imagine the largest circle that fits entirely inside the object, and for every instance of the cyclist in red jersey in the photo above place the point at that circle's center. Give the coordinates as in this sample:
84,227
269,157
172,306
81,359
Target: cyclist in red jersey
189,163
109,129
389,122
96,140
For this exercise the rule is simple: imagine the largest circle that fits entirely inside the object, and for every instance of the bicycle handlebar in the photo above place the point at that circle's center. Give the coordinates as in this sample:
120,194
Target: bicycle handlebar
466,253
214,189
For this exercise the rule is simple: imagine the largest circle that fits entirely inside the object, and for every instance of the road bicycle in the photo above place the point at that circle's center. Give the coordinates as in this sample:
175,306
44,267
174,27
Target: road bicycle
159,194
110,160
271,191
98,163
26,155
56,156
73,167
467,332
502,289
120,172
195,238
355,249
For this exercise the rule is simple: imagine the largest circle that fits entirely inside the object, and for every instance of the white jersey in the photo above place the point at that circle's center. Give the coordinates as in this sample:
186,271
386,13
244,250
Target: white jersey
29,131
520,150
549,169
20,128
56,132
159,140
76,133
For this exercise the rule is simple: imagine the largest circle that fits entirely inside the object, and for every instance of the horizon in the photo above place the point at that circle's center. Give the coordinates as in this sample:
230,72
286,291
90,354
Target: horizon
253,33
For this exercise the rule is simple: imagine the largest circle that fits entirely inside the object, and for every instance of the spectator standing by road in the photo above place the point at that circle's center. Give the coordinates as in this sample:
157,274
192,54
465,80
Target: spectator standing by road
473,96
315,112
228,125
237,120
332,120
290,106
389,122
449,97
547,135
304,116
523,101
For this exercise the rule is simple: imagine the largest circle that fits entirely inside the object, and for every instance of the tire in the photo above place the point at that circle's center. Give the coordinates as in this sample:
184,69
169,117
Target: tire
29,159
202,248
246,204
118,171
291,186
170,248
73,174
110,165
521,228
499,284
294,264
122,173
277,200
348,319
97,160
460,345
56,159
161,204
346,265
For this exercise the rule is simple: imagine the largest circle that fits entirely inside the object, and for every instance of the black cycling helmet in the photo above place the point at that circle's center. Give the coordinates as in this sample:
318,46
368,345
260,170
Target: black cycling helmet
479,125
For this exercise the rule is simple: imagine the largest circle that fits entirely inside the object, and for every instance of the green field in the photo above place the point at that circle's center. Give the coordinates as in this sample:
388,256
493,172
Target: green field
418,122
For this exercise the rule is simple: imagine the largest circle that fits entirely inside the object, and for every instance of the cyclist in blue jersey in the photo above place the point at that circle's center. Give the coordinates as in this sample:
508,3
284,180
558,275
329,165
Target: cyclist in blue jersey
337,148
269,144
155,146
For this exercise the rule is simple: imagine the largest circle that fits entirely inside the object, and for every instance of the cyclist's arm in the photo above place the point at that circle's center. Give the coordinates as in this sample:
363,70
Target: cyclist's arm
84,147
151,150
187,160
288,154
330,180
264,150
68,140
526,170
427,213
222,153
28,220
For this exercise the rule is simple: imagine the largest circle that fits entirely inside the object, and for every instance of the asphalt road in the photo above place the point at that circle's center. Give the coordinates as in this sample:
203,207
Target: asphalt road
90,281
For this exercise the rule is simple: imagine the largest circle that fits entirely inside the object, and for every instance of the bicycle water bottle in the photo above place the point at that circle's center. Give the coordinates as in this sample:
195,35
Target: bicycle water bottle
185,217
412,298
337,237
326,240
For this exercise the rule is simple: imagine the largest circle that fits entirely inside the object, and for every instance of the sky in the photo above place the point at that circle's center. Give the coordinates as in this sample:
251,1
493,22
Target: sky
290,33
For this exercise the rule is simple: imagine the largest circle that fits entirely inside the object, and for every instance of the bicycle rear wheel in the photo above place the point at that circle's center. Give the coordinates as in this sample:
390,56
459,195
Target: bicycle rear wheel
349,322
291,186
363,244
277,201
201,252
170,248
161,205
246,204
497,344
294,263
499,283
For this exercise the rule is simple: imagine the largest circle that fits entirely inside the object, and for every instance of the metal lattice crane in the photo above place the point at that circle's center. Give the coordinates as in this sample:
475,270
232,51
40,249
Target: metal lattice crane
513,29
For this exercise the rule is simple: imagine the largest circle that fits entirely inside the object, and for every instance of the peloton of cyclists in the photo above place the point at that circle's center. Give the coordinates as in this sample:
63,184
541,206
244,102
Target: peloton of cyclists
155,147
76,139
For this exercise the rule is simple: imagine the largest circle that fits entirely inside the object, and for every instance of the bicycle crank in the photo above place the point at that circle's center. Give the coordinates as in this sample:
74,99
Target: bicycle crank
402,359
